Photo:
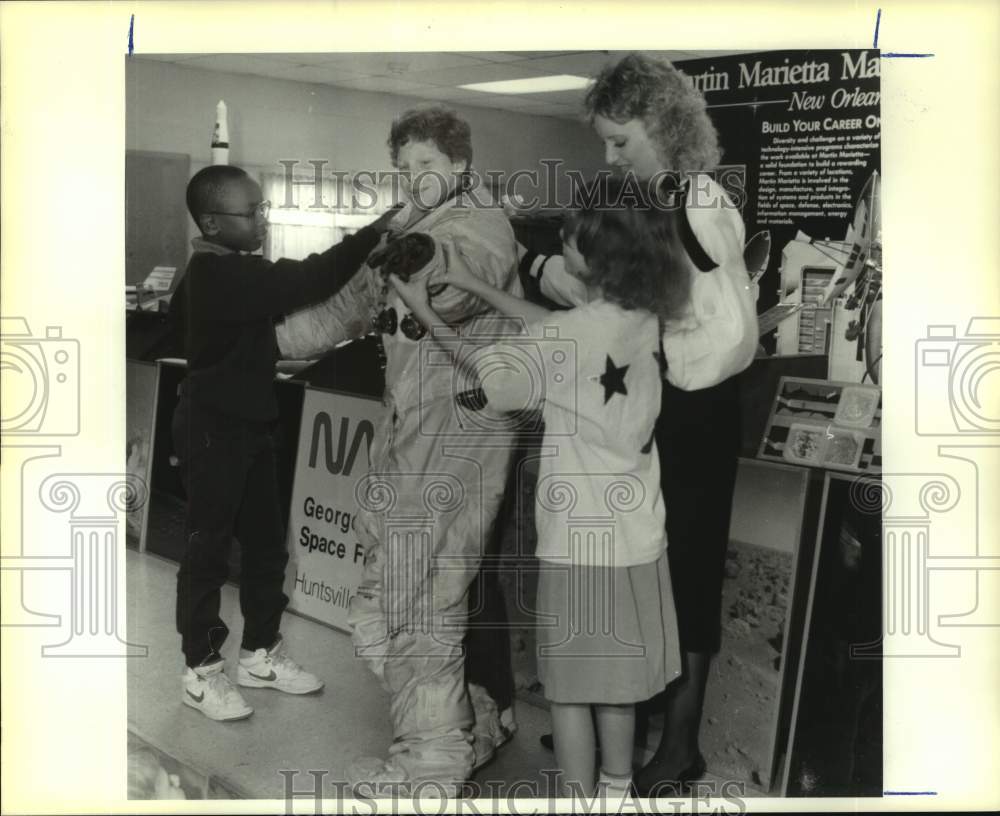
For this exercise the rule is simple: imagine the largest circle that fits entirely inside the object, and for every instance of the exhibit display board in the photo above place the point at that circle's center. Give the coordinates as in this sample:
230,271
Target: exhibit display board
824,424
326,556
800,133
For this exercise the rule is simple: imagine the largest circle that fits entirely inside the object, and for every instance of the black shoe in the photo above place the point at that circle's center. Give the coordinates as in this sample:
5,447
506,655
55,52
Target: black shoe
651,781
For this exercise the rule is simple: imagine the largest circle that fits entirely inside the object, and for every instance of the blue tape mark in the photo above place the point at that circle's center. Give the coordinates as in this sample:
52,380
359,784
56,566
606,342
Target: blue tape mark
909,793
878,20
131,28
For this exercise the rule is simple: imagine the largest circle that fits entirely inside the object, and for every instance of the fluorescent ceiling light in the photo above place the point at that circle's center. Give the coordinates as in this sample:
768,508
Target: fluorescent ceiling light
542,84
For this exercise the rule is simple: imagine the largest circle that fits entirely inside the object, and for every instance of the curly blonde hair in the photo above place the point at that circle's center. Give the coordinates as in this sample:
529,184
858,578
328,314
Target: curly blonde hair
670,107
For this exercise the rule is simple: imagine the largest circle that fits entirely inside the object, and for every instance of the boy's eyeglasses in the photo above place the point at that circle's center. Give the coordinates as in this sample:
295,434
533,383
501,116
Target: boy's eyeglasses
261,211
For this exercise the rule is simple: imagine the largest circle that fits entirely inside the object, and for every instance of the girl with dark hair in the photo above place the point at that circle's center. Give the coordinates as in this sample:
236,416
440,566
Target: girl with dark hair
654,125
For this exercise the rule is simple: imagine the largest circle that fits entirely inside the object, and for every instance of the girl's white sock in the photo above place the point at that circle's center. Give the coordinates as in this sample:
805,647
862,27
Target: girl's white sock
613,785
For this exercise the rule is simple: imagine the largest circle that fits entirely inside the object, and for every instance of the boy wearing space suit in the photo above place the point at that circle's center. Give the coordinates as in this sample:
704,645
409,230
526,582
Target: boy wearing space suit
437,480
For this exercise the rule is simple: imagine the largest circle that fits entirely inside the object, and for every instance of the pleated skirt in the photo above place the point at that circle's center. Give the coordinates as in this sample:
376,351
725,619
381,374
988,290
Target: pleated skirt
606,634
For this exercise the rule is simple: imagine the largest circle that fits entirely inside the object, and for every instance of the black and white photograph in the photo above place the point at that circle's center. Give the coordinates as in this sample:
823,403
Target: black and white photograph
500,429
452,355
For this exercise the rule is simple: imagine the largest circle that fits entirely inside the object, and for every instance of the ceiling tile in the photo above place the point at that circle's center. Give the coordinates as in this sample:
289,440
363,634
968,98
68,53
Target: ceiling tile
167,57
588,63
317,74
702,54
298,58
232,63
432,76
667,55
554,114
574,98
491,72
522,104
446,94
521,55
399,63
494,56
490,102
380,84
515,56
585,64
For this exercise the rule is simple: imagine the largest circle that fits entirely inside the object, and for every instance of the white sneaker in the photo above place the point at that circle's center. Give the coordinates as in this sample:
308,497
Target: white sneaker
375,778
210,691
274,669
508,725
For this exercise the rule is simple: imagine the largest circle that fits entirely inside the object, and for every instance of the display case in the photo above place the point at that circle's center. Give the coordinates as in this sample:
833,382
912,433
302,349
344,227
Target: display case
835,736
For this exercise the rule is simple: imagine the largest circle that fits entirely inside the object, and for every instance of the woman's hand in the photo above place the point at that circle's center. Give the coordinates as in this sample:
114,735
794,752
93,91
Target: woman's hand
413,293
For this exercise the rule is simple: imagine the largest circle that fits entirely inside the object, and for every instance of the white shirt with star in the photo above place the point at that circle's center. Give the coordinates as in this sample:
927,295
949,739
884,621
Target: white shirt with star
594,372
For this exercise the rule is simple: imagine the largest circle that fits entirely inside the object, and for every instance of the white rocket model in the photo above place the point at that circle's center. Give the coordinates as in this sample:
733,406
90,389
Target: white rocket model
220,138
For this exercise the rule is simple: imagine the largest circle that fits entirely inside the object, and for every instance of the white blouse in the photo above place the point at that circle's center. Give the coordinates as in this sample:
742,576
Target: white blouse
717,337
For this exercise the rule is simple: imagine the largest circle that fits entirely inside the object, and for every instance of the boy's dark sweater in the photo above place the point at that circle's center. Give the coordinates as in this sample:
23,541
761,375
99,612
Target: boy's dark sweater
225,308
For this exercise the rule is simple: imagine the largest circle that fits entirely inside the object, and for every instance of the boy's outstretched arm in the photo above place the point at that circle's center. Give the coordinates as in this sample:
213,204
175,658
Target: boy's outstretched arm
245,288
239,288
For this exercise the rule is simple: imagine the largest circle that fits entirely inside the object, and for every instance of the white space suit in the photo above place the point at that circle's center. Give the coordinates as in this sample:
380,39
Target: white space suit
438,475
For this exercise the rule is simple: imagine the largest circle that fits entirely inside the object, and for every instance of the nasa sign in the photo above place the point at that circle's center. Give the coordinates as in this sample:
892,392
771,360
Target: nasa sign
326,555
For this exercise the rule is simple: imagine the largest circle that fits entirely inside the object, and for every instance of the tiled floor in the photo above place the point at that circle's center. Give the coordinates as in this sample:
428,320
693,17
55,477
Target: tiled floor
322,732
313,733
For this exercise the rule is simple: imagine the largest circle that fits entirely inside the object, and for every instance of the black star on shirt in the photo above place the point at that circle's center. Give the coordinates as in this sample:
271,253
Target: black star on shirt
613,379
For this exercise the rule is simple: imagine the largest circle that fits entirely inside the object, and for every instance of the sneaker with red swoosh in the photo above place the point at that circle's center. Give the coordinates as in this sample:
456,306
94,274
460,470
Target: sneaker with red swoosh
272,668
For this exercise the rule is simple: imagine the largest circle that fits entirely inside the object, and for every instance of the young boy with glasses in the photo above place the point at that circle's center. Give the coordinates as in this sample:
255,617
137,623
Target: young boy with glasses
225,309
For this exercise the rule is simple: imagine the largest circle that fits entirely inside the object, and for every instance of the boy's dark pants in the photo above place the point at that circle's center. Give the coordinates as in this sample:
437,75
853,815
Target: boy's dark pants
227,467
